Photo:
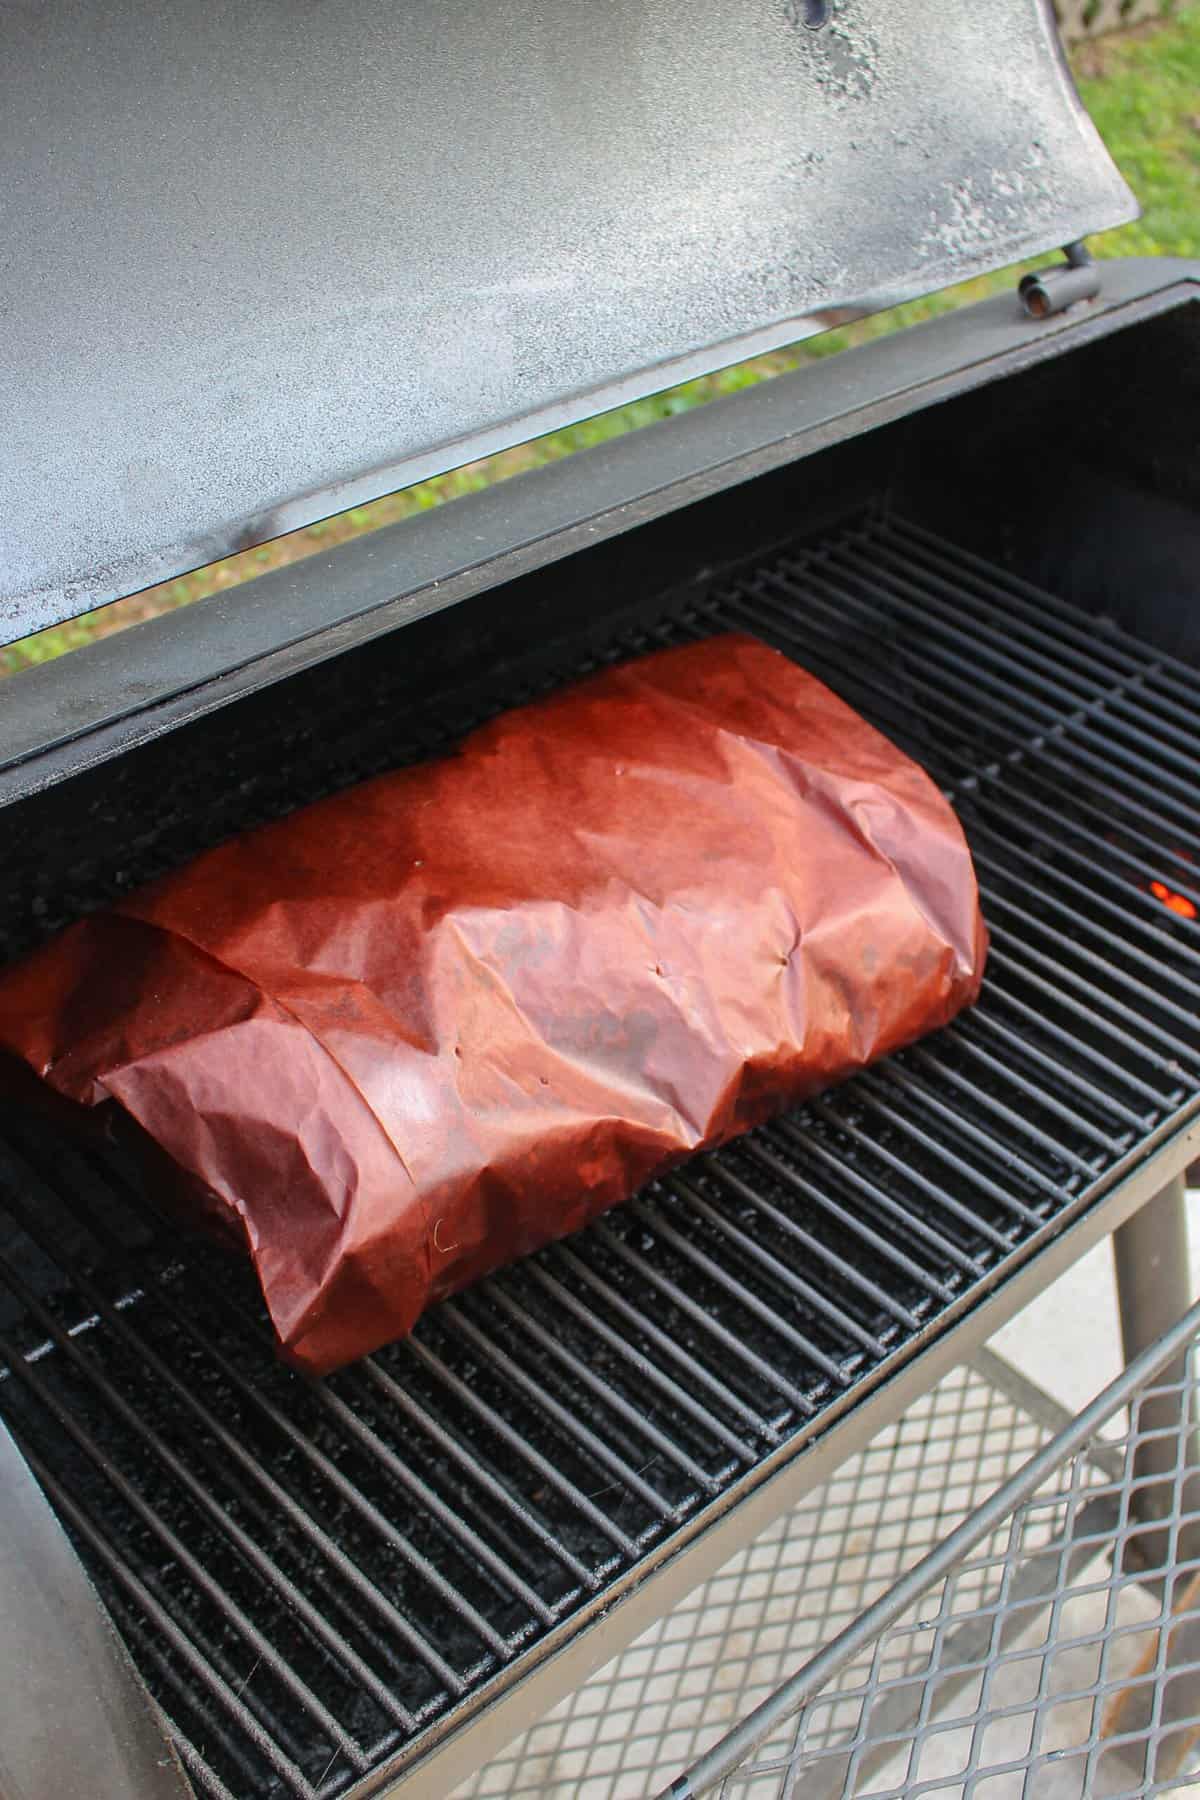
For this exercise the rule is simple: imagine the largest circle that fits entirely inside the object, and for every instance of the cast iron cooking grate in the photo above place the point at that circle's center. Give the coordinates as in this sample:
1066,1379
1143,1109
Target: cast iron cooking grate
311,1576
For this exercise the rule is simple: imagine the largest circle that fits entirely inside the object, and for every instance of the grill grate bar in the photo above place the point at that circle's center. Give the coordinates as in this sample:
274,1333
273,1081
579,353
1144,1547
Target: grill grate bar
684,1303
1100,828
137,1625
1018,696
1007,851
1118,977
937,597
201,1772
455,1526
1173,1052
774,591
796,1284
421,1521
1045,633
988,582
878,1198
170,1539
963,1040
541,1465
843,667
981,584
200,1667
927,1101
938,702
766,1315
298,1516
1018,735
644,1327
1049,685
1055,1069
758,1150
1068,1004
1169,746
621,1471
1152,753
412,1639
946,1074
726,1177
313,1618
604,1391
645,1371
973,688
403,1402
848,589
325,1546
1004,693
1112,782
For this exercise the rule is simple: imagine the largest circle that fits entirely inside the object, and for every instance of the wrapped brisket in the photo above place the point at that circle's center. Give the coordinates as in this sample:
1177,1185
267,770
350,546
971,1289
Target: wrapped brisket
428,1024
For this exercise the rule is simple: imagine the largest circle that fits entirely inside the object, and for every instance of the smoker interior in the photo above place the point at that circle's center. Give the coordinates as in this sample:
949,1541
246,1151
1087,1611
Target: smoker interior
312,1577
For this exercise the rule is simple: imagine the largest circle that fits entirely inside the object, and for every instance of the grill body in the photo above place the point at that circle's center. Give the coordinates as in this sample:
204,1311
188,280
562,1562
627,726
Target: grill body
984,537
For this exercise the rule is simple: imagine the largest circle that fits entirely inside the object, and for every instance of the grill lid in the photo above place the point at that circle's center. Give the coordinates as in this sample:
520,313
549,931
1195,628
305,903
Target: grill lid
265,262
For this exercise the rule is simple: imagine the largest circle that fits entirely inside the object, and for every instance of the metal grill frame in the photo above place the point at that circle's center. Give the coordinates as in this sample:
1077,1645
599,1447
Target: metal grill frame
620,1608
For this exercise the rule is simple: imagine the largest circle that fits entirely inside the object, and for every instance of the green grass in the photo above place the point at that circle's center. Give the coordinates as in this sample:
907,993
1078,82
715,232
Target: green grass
1143,91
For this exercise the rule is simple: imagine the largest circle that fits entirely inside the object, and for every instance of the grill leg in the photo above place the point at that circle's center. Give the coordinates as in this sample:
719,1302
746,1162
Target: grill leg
1153,1290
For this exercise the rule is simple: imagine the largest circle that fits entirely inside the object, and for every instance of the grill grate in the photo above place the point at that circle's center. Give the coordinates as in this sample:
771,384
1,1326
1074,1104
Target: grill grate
309,1576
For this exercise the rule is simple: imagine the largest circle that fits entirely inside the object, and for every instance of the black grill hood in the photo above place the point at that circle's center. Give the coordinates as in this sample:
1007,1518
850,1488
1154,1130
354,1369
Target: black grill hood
263,262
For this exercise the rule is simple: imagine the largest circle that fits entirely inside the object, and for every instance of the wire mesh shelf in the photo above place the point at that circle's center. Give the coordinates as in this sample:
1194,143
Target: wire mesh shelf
1047,1649
800,1582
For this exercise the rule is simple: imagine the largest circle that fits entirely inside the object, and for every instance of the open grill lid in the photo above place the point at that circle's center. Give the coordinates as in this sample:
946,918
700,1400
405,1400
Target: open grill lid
265,262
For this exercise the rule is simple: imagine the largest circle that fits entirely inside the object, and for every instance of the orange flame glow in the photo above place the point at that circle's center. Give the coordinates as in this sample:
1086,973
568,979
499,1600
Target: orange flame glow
1176,903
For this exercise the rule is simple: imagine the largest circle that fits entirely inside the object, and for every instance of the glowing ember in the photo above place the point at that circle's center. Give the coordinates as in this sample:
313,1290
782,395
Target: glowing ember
1176,903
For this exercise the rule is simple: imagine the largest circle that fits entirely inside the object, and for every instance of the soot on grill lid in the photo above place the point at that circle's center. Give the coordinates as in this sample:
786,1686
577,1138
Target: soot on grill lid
270,261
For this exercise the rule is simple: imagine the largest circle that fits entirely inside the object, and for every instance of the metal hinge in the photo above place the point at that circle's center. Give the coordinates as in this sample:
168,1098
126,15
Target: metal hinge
1048,291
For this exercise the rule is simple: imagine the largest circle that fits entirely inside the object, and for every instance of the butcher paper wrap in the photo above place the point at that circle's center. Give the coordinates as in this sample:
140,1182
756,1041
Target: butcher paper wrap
426,1025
